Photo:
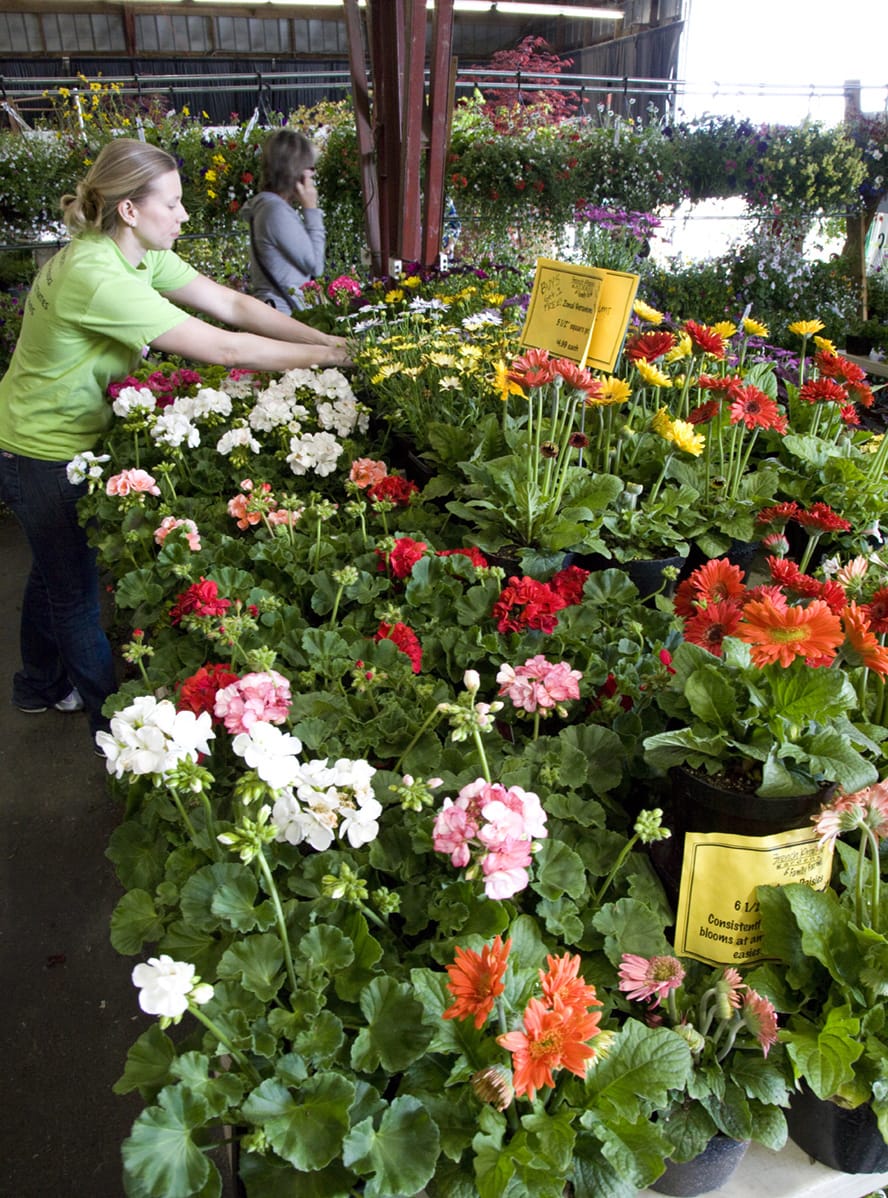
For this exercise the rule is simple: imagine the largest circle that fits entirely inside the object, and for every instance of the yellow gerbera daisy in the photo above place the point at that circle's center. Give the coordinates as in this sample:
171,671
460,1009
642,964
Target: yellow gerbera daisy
825,345
413,281
682,349
754,328
661,423
651,374
394,296
806,328
645,312
504,385
686,437
613,391
725,329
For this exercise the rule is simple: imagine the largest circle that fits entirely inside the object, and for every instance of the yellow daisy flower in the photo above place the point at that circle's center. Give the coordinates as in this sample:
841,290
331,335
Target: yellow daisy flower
413,281
661,423
211,176
825,345
386,372
682,349
441,359
725,329
394,296
806,328
754,328
685,436
651,374
450,382
504,385
645,312
613,391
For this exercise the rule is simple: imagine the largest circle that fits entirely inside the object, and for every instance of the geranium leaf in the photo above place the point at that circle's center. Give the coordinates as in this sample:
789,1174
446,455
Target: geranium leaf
395,1034
629,926
257,961
307,1131
133,921
273,1178
200,890
147,1063
160,1152
138,856
399,1157
558,870
327,948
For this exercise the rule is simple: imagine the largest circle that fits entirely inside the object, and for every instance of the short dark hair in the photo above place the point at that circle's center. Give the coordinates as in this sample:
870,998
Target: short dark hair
286,155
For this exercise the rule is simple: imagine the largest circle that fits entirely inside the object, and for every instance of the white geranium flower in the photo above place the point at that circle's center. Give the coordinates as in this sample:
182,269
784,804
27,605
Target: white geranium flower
131,400
296,824
273,754
313,451
165,986
237,438
207,402
173,428
359,825
151,737
86,465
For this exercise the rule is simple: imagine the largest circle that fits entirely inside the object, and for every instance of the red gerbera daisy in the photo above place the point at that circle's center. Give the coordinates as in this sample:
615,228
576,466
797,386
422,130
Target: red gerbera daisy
476,980
578,378
649,346
821,517
823,391
862,394
720,383
777,634
877,610
778,514
704,412
704,339
533,369
833,595
709,627
717,579
755,409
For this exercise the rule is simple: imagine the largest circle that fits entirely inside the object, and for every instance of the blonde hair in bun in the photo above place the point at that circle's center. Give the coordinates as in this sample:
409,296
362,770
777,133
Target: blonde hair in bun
125,169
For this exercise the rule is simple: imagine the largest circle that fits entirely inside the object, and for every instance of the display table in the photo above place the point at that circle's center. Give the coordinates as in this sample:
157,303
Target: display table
790,1173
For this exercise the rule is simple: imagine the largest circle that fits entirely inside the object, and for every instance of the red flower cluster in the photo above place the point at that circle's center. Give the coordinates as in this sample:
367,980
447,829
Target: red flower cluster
393,489
198,693
200,599
403,556
536,368
405,639
647,347
819,517
525,603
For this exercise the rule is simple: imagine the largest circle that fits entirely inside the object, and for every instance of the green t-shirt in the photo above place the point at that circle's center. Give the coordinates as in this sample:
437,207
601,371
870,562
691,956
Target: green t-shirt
88,316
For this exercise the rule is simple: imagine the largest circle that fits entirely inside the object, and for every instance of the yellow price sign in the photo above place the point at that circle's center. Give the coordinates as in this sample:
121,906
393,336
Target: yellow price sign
718,919
579,312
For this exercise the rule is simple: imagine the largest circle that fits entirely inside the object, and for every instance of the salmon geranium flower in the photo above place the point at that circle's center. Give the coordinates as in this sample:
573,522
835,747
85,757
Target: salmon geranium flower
476,981
553,1038
780,634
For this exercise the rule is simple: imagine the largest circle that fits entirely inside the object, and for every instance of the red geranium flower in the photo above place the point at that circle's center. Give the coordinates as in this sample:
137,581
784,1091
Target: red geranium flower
473,553
568,584
403,557
394,489
405,639
526,603
198,693
200,599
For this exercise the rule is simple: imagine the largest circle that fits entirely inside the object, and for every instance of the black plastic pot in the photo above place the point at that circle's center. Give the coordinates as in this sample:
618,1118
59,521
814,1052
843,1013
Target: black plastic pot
843,1139
709,1171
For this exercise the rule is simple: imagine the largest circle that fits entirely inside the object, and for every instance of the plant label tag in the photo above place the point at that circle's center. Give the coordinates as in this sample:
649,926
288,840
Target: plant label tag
579,312
718,919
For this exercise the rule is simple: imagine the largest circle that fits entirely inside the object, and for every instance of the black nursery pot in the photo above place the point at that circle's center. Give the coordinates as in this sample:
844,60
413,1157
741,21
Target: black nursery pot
846,1140
709,1171
699,803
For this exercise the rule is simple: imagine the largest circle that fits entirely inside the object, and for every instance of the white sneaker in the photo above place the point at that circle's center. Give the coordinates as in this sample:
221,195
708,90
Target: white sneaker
72,702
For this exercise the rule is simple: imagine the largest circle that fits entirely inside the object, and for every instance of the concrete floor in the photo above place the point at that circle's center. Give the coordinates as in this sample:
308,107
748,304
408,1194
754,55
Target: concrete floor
69,1009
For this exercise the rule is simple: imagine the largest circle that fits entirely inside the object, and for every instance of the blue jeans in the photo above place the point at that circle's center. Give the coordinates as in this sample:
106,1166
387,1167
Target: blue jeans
62,640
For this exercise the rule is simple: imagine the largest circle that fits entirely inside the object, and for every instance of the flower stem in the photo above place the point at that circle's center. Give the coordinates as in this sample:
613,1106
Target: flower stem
271,886
479,745
223,1039
623,854
430,718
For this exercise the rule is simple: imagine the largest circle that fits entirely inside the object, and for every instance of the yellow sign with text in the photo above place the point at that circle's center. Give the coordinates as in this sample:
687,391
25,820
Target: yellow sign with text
579,312
718,918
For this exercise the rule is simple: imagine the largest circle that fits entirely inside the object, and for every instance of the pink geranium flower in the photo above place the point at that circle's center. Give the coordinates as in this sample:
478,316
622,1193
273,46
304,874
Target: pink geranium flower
539,684
367,472
255,698
132,481
168,523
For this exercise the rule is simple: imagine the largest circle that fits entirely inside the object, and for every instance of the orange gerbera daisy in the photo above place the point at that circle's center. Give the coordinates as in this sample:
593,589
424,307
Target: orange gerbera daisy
563,986
476,980
779,634
862,639
552,1039
716,580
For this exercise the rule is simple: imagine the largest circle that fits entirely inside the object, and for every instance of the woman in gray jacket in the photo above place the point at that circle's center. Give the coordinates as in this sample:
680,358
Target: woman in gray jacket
286,246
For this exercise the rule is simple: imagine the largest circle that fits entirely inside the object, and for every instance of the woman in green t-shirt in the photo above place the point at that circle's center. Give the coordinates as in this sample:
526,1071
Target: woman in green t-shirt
114,289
